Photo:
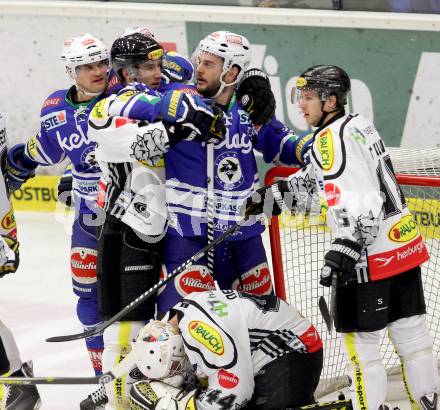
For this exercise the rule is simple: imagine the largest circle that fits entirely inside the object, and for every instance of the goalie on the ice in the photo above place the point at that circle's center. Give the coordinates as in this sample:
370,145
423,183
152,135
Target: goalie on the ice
249,352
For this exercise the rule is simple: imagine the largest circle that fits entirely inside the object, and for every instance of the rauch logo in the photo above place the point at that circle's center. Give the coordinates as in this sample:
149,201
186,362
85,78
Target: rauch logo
404,230
207,336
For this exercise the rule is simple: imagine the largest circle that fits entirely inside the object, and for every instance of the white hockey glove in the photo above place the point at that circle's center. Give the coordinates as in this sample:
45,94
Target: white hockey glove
150,395
9,255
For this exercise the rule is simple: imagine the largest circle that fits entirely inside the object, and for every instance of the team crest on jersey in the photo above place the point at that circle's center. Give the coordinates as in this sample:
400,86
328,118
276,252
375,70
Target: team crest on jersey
229,173
54,120
88,157
326,149
207,336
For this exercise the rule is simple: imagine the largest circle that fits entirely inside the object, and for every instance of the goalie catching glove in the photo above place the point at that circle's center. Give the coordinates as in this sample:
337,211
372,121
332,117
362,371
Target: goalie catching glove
9,255
192,117
256,96
146,395
340,259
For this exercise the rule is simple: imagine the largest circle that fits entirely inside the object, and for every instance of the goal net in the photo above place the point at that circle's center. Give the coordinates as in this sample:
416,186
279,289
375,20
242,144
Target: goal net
298,245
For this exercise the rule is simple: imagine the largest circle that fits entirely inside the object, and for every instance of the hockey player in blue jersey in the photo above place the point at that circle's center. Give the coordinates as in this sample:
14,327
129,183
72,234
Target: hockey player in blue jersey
64,133
130,145
207,184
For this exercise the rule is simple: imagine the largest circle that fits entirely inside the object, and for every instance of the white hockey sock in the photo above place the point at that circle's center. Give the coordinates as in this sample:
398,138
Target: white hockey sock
365,369
413,344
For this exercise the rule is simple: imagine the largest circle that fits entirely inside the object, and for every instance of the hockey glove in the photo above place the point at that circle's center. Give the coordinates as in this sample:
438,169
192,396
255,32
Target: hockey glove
65,187
269,200
19,167
302,146
256,96
197,120
159,395
341,258
9,255
176,68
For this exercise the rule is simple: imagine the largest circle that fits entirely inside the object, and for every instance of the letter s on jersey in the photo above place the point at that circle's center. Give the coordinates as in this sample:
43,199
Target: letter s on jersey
207,336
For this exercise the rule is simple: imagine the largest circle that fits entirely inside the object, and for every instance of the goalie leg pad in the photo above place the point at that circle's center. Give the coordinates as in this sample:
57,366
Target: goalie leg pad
11,356
117,344
127,267
413,343
146,395
365,369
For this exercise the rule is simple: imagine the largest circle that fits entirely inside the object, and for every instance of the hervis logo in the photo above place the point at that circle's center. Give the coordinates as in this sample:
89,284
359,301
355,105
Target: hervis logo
326,149
207,336
404,230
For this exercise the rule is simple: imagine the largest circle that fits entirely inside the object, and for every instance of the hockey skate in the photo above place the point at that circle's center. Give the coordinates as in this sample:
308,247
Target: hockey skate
95,401
429,401
22,397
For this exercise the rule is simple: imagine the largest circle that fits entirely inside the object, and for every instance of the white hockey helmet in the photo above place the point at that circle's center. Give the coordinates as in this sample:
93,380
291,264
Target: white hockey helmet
159,350
84,49
234,49
135,29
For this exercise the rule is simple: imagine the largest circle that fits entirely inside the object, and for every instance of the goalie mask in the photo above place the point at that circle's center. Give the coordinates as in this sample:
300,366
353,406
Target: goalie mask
84,49
233,49
159,350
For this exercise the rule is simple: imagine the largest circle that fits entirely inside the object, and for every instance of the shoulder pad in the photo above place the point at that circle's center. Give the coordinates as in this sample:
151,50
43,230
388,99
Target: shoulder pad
54,101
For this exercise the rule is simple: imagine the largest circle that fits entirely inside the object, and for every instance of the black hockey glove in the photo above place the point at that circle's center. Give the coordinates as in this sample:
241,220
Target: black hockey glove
9,255
269,200
65,187
256,96
341,258
194,119
19,167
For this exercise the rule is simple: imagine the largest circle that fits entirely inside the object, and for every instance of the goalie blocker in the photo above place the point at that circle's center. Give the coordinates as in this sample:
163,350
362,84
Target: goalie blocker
127,266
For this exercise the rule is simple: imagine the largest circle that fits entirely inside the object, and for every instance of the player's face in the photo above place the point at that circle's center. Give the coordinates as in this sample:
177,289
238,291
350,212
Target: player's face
208,72
92,77
311,106
150,73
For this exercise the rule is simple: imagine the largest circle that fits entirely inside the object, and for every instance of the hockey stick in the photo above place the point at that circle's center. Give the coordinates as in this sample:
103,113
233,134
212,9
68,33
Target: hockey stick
119,370
144,296
328,314
330,405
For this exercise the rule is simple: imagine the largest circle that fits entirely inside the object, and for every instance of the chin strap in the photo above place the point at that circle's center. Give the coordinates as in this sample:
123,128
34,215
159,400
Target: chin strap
89,94
326,113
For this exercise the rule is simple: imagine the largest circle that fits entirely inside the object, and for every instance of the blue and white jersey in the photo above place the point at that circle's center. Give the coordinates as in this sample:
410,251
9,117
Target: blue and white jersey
224,174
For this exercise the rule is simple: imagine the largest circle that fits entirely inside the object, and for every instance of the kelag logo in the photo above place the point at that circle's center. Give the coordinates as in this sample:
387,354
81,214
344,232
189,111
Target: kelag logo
207,336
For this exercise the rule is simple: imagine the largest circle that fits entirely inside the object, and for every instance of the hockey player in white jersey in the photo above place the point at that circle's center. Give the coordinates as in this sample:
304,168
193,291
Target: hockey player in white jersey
375,256
12,397
250,352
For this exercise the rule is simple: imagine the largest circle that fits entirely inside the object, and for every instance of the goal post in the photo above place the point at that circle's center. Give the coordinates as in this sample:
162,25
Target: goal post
298,244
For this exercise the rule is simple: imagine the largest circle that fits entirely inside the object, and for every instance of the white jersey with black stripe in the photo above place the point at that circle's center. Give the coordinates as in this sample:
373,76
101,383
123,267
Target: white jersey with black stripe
229,336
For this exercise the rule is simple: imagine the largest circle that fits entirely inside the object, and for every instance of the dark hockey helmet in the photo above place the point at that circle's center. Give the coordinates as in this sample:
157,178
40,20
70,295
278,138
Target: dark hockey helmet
132,50
327,80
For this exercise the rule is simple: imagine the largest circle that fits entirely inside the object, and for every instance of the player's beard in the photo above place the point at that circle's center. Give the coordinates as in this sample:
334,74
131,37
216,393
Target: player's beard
210,90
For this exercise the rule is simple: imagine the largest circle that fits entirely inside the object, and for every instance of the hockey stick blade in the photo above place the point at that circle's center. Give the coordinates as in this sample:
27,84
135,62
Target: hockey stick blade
148,293
323,308
330,405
